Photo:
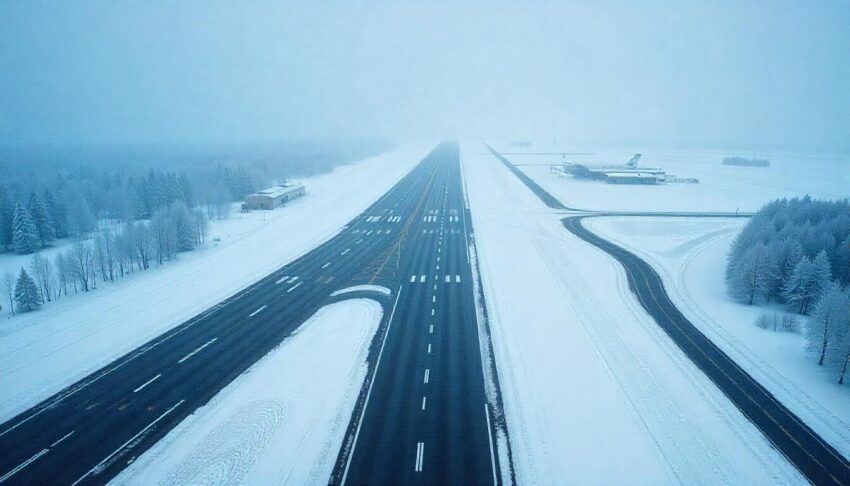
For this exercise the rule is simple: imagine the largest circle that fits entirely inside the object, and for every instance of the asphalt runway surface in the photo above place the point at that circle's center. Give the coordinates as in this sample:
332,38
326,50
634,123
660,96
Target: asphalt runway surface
426,420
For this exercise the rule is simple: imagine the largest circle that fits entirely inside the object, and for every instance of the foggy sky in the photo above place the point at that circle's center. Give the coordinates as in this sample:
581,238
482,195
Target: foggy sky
713,74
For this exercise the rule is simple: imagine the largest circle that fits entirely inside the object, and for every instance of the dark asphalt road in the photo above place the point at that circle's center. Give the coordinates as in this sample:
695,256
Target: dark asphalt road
819,462
426,412
90,431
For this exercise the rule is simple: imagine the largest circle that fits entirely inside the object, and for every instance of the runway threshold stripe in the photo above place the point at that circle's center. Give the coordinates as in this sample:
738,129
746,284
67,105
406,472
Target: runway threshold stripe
294,287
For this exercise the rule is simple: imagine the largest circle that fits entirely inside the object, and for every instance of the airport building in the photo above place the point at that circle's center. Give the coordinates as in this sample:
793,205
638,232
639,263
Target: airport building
273,197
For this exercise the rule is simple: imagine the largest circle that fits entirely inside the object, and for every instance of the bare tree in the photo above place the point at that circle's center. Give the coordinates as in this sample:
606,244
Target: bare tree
142,244
105,251
82,258
202,226
62,274
9,289
42,271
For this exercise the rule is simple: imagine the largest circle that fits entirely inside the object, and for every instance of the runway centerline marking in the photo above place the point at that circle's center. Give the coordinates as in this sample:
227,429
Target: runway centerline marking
137,390
69,434
423,403
197,350
258,311
420,452
326,265
427,375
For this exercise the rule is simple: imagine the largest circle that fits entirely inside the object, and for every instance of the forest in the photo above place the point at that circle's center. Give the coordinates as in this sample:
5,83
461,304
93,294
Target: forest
796,252
115,219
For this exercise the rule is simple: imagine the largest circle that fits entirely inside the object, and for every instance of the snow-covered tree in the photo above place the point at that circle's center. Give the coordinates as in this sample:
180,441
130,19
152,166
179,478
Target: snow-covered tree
6,216
806,282
753,274
57,213
104,249
27,297
42,272
839,354
828,317
184,226
82,264
42,219
9,289
79,215
202,226
841,262
24,233
62,276
164,236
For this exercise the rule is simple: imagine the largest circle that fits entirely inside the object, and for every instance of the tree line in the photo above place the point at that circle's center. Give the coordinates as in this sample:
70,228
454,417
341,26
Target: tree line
797,252
109,255
71,206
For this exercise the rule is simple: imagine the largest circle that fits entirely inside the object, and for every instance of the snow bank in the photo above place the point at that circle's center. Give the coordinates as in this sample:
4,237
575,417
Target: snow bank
283,420
690,256
45,351
720,188
362,288
594,392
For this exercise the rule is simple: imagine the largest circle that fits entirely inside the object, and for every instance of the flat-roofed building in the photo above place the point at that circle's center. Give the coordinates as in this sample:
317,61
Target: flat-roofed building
273,197
634,177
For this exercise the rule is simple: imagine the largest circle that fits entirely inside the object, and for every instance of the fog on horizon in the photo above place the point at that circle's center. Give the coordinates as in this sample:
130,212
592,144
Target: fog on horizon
665,74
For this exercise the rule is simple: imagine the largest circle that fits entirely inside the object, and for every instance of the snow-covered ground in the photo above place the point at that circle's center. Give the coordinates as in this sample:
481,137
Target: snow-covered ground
690,256
720,187
283,420
594,392
44,351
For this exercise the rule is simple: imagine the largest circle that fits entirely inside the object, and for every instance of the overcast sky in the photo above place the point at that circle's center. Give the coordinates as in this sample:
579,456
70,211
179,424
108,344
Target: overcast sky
678,74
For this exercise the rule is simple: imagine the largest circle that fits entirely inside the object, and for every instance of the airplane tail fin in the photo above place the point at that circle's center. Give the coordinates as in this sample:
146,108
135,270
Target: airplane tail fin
633,161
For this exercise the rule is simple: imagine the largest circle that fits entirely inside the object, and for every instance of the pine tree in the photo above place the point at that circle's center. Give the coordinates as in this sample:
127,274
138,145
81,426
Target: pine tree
26,293
186,190
842,262
42,219
6,219
827,319
838,353
822,273
799,289
24,233
57,214
752,275
185,226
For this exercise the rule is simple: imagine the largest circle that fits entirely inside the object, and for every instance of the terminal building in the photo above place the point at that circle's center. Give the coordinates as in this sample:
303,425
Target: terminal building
273,197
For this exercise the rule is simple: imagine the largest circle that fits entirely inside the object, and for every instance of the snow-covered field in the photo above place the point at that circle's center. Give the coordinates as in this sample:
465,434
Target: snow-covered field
593,391
720,187
44,351
283,420
690,256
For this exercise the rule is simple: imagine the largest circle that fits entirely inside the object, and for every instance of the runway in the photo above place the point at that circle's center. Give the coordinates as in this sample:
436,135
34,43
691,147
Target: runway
90,431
